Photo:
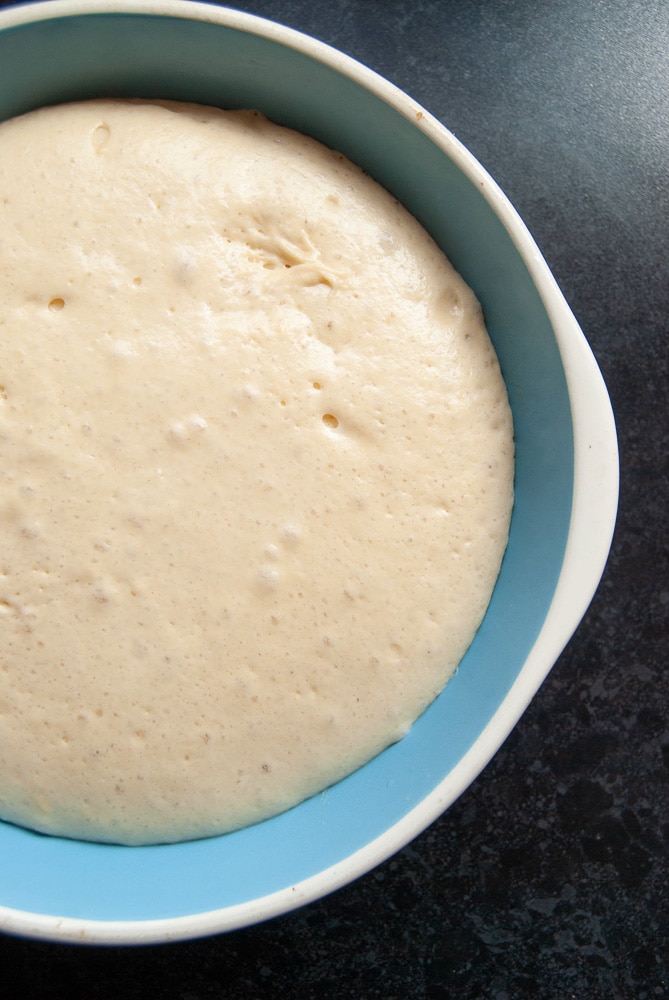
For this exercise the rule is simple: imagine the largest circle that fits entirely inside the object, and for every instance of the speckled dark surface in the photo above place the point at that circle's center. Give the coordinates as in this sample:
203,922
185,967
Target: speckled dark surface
549,877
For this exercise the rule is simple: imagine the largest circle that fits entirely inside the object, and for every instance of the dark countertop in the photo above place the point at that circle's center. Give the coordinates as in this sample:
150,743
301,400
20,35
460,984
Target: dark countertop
549,878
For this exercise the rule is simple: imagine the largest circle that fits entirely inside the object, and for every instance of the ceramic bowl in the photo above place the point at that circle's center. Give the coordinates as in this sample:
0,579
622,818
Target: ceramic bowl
566,470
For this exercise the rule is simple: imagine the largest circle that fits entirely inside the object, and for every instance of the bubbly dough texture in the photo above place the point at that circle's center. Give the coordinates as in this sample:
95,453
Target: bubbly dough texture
256,470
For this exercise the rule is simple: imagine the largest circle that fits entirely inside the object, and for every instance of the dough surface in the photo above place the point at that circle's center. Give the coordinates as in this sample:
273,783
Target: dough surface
256,470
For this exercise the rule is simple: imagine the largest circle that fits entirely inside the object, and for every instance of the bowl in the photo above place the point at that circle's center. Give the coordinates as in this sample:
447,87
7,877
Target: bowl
566,470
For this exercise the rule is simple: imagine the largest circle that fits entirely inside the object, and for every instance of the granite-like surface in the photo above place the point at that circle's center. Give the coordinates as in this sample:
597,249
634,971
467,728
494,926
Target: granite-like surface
549,878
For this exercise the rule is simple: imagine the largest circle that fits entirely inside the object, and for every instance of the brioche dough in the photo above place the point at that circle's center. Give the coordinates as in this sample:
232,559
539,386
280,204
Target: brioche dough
256,469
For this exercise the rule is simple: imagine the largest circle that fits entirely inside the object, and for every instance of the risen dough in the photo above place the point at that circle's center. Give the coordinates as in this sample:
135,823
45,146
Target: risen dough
256,470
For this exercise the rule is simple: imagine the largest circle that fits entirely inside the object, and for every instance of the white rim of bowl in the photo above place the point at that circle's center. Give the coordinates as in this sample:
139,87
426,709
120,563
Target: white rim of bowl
594,507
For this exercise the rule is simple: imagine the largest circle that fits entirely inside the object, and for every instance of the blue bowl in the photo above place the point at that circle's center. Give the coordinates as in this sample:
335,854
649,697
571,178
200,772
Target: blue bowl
566,470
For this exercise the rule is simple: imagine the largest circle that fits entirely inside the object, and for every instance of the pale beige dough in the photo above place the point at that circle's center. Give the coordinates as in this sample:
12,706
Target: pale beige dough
256,469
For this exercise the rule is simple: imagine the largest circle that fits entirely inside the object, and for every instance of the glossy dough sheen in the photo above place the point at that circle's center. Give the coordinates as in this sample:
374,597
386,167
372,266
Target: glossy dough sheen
256,470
